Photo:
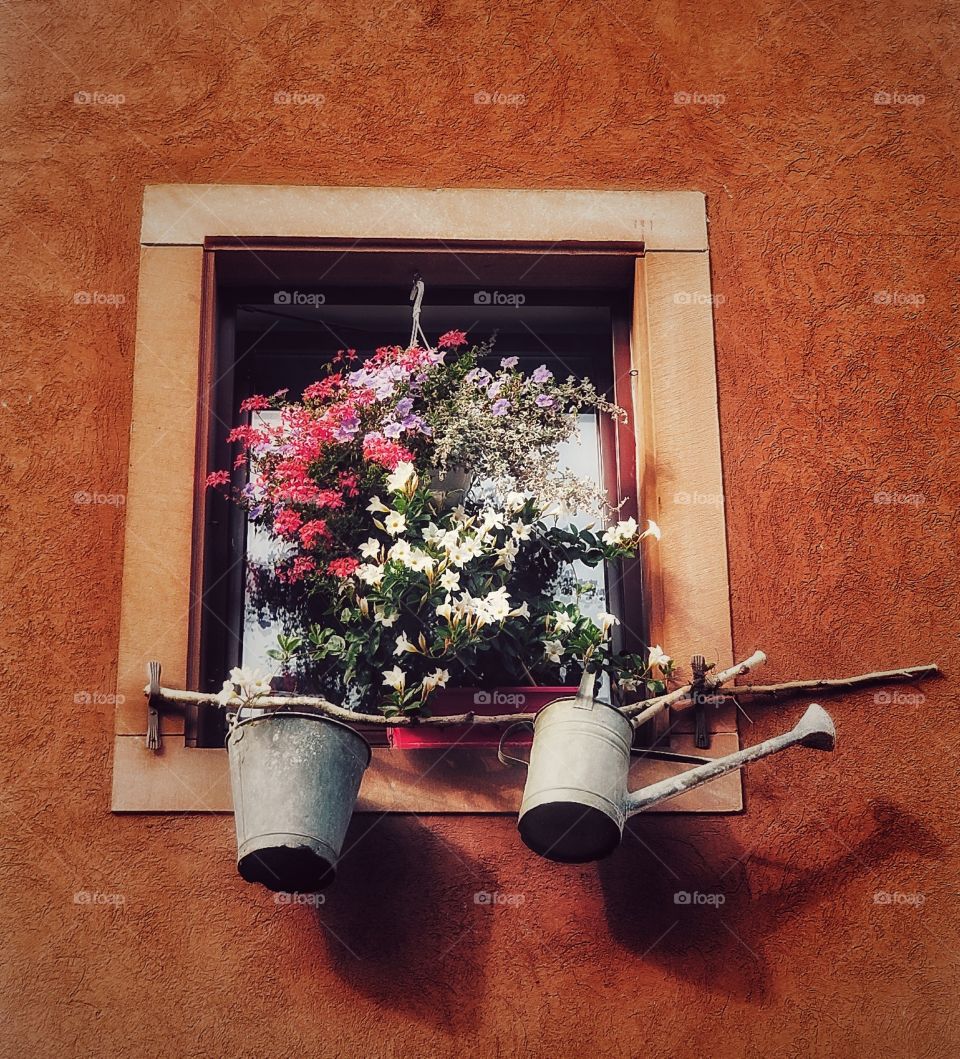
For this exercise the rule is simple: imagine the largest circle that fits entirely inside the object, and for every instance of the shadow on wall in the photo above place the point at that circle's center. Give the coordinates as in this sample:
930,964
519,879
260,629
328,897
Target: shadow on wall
402,913
693,911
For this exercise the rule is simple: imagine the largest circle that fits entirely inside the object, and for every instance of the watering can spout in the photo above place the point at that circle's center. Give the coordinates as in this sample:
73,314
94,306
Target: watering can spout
815,730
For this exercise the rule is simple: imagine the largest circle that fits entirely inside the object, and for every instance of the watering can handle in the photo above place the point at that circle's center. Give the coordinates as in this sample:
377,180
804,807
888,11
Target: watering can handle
507,759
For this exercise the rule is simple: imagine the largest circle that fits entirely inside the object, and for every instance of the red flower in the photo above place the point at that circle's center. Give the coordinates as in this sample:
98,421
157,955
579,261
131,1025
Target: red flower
256,403
286,522
328,498
342,567
299,569
312,531
452,339
218,478
323,388
348,483
246,436
385,452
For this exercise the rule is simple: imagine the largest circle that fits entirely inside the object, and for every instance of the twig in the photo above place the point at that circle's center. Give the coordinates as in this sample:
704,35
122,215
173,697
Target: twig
637,713
317,702
794,687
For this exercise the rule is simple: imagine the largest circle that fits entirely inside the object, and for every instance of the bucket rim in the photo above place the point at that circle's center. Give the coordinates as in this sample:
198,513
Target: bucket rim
280,712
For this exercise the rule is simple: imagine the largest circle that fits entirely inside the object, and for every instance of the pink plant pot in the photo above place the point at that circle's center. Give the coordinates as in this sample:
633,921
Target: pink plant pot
485,702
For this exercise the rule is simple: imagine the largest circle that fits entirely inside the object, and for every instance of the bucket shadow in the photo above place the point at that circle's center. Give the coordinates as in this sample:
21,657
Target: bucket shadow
401,925
721,945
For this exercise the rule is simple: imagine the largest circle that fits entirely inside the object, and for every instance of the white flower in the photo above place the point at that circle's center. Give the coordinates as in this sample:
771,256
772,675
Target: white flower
521,531
606,622
496,605
652,530
370,573
458,555
471,547
377,507
437,679
384,617
227,696
459,514
432,534
419,560
622,531
523,611
553,649
394,523
371,549
450,580
506,555
562,622
400,552
242,686
445,611
656,657
627,683
398,478
492,519
395,678
515,501
404,646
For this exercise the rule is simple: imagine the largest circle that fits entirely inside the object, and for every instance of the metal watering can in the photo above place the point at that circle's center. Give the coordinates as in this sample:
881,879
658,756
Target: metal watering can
576,802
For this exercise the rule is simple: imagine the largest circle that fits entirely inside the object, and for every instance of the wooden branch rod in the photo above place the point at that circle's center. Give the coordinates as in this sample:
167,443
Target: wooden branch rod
173,698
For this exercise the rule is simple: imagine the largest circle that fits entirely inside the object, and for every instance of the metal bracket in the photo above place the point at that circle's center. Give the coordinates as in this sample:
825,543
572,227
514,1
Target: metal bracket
153,706
156,705
698,694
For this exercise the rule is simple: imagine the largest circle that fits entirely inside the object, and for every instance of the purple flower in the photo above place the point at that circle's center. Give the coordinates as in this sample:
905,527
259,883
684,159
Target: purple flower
493,390
392,430
542,374
349,425
509,362
478,375
412,423
404,407
501,407
255,512
544,401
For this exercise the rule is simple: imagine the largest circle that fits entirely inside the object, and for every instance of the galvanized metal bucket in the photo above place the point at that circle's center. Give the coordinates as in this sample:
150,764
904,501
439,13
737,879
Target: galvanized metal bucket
576,801
295,777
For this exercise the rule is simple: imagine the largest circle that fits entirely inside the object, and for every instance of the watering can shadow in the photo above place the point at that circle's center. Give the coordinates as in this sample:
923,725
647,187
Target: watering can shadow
576,802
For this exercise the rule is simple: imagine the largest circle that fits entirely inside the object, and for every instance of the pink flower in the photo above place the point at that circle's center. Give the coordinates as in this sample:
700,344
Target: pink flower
323,388
256,403
342,567
378,449
312,531
299,569
246,436
452,339
328,498
286,522
218,478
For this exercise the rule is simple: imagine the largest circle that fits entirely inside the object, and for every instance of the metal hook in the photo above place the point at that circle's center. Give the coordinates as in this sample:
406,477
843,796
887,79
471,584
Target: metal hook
416,296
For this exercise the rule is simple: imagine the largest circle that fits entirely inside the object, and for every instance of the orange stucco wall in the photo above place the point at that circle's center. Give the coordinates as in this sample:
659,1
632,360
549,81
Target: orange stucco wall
831,391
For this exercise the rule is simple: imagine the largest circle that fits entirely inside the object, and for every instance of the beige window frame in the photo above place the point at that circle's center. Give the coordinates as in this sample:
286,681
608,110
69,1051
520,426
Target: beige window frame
678,445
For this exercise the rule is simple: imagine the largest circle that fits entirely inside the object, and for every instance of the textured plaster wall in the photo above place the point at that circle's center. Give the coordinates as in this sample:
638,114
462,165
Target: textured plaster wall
819,198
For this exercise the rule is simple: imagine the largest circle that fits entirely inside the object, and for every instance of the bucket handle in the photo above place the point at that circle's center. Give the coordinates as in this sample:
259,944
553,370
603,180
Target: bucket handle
508,759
